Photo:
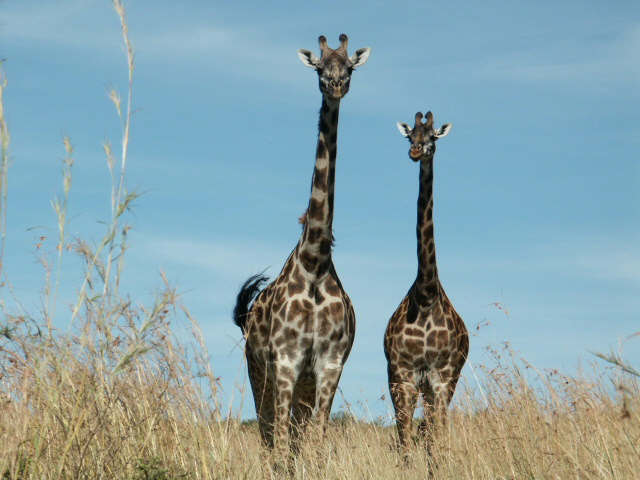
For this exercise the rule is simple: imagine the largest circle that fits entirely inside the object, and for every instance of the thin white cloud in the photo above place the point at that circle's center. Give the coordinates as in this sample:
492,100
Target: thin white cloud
56,23
601,259
197,46
615,60
608,260
230,258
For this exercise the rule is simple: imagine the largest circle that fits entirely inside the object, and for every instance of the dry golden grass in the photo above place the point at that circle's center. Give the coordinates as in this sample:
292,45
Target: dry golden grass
121,396
65,416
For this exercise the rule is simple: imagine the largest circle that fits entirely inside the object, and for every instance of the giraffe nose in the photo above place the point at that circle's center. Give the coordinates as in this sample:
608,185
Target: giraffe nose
415,151
336,83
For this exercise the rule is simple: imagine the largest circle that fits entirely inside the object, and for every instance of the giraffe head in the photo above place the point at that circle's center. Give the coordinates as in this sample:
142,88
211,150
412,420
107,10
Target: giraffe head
423,136
334,67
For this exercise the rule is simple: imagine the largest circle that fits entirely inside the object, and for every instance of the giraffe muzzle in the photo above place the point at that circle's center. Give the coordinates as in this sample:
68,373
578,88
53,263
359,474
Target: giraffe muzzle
415,153
337,93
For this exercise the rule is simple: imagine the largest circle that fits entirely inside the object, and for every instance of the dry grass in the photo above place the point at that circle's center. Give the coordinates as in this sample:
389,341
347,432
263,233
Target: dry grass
122,396
68,418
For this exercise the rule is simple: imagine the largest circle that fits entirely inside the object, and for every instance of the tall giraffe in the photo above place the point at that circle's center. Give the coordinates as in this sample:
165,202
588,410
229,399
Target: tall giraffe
300,328
426,342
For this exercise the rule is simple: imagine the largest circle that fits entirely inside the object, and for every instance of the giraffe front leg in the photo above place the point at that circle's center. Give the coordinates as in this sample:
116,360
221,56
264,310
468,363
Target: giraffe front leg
302,409
327,378
404,396
263,396
442,385
427,424
283,381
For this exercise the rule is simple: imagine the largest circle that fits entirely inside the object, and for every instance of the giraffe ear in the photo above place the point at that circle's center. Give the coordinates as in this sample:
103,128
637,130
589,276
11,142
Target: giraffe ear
360,57
308,58
405,130
443,131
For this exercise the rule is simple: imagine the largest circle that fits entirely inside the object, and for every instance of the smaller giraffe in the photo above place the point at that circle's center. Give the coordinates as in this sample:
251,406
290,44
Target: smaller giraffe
426,342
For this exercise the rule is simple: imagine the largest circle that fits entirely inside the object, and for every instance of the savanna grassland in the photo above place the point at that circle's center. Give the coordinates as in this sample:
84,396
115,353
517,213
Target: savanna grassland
129,392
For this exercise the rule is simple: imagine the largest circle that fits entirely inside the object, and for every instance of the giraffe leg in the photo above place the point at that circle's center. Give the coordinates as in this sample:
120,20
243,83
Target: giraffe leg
436,395
263,396
303,403
404,396
327,379
284,382
443,385
427,424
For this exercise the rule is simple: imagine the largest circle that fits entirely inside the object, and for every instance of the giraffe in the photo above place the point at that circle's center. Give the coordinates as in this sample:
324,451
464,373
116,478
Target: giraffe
426,342
300,328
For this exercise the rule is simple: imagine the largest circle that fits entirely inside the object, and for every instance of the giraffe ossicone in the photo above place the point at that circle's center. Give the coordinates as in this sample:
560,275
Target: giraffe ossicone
300,328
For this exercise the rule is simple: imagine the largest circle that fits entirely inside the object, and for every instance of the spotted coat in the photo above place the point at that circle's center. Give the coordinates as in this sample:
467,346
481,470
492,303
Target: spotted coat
426,342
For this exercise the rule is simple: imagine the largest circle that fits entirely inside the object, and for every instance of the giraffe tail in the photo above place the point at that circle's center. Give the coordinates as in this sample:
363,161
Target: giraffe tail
248,292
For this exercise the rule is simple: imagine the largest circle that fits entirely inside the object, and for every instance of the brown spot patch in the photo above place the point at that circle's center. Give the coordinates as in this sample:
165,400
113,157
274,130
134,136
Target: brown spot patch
323,347
332,289
429,230
315,209
264,330
336,309
324,266
431,339
279,296
309,261
413,332
336,334
325,246
291,334
321,151
442,338
291,349
320,179
295,309
324,326
414,346
276,325
305,324
314,235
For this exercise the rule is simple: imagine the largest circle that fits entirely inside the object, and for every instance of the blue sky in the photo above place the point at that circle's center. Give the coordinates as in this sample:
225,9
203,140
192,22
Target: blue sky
536,186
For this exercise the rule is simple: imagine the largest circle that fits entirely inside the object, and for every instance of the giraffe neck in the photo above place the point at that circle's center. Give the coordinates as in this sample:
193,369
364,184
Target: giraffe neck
317,236
427,278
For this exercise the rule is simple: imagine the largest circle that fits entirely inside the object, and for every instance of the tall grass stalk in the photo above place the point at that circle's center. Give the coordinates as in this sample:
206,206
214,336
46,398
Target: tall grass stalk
120,392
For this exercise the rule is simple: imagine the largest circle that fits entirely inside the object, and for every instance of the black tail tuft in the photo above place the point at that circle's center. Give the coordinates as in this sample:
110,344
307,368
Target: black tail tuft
248,292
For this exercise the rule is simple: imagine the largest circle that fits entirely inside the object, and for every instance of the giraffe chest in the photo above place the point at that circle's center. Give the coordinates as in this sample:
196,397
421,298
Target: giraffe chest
421,343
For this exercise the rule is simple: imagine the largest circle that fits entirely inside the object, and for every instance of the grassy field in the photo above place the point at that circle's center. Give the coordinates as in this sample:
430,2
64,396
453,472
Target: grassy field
124,396
69,411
